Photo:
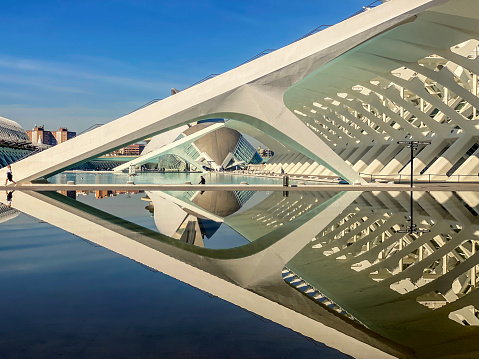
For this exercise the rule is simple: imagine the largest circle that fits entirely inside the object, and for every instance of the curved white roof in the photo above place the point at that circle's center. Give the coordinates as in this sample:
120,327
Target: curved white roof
170,217
10,131
163,139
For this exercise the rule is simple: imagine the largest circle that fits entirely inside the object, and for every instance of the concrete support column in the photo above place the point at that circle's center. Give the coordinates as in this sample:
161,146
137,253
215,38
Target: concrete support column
368,157
451,156
427,155
383,159
398,162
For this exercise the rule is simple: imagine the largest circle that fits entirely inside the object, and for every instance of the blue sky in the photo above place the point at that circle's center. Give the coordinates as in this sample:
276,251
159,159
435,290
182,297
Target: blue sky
77,63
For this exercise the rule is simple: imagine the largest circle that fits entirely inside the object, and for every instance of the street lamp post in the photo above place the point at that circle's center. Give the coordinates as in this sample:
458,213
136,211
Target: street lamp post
413,145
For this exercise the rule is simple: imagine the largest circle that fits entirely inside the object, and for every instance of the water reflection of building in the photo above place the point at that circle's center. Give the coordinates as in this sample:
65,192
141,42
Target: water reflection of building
194,216
102,194
99,194
7,213
433,275
69,194
343,248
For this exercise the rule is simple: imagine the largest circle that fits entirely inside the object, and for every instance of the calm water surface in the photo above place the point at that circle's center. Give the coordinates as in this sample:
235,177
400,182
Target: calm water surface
158,178
395,270
65,296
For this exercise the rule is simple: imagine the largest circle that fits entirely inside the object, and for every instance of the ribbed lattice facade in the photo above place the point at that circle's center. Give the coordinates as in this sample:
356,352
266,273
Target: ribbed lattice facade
416,82
13,139
338,101
221,149
12,132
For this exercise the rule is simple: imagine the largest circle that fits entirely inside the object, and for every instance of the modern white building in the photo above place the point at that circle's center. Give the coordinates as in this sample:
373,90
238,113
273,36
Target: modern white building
14,142
335,102
204,146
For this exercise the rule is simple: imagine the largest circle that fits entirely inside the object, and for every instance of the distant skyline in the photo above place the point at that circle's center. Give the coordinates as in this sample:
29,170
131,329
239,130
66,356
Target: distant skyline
77,63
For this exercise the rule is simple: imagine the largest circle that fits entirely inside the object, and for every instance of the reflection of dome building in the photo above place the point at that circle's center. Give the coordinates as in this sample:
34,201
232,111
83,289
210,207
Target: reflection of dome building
7,213
206,145
195,215
220,203
14,142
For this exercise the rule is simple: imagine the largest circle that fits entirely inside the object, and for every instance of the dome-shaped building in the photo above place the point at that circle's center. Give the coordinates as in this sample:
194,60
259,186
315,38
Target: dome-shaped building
221,149
11,132
14,142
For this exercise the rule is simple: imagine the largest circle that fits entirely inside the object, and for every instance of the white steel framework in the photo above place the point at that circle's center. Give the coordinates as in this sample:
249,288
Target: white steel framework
337,101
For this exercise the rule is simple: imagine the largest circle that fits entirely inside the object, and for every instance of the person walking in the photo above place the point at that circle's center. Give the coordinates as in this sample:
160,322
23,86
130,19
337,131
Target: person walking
9,176
202,180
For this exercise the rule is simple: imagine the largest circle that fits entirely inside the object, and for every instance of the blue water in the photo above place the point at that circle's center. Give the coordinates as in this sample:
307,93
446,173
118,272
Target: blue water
62,296
130,207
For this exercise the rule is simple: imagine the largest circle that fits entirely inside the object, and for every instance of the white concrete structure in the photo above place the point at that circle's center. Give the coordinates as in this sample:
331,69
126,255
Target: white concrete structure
207,146
337,101
159,148
343,248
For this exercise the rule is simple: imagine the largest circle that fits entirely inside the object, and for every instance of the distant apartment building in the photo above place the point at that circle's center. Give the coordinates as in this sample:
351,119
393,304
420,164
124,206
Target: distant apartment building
63,134
102,194
132,150
40,136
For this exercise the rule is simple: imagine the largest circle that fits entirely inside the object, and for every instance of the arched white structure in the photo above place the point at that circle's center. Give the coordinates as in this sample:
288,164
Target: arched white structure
338,100
159,147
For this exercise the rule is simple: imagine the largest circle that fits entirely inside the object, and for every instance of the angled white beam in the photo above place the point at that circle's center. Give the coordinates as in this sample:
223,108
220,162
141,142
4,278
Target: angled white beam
237,92
165,149
172,199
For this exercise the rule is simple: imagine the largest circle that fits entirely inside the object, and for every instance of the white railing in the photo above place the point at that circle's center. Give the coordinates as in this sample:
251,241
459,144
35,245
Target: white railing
429,178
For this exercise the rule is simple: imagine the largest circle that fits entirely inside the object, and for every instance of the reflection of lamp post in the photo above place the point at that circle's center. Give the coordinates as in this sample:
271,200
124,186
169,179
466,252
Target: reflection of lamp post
412,228
413,145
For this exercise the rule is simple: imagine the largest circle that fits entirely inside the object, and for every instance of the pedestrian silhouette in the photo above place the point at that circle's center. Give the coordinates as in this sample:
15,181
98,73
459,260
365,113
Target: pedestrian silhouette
9,176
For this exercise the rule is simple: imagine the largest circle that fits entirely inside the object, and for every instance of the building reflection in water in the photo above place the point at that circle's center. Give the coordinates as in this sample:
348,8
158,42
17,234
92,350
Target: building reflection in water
6,211
333,266
192,216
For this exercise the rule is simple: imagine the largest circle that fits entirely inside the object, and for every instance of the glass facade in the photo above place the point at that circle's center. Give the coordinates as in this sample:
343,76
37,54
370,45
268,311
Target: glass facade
244,151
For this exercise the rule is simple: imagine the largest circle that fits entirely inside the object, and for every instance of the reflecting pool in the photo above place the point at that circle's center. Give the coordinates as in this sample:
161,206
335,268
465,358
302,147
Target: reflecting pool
92,177
239,274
